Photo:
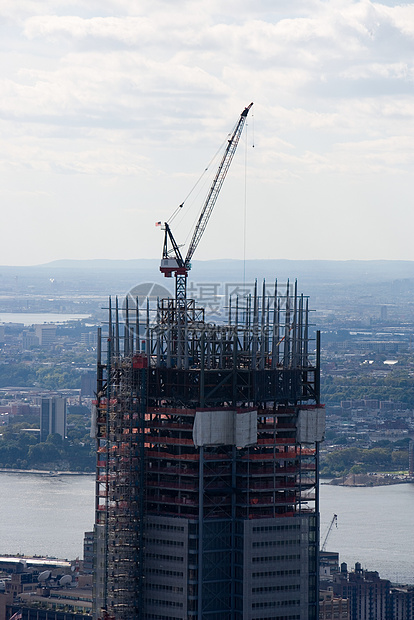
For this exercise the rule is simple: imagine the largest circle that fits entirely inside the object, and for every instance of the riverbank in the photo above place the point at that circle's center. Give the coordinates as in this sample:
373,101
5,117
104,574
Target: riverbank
44,472
371,480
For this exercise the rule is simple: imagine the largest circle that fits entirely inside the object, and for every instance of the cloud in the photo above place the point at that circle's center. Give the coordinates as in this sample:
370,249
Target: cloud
149,90
130,31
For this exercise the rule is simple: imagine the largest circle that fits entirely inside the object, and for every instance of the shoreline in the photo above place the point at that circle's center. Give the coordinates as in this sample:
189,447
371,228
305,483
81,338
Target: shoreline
46,472
374,479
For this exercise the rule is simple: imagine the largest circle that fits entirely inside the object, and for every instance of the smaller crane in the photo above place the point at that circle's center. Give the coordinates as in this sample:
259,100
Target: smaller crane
333,521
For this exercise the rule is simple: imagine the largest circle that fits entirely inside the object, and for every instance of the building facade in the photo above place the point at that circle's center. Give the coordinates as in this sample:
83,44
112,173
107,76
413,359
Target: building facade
333,607
52,417
369,596
46,334
207,460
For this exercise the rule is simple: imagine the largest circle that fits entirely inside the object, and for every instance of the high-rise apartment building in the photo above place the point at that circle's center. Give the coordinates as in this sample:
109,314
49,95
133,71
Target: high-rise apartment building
46,334
52,417
207,462
369,596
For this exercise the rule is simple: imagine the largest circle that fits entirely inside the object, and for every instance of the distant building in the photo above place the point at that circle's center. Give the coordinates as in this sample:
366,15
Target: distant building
333,607
369,595
88,553
411,458
61,594
29,339
88,384
402,598
46,334
52,417
20,408
89,339
62,604
328,564
17,583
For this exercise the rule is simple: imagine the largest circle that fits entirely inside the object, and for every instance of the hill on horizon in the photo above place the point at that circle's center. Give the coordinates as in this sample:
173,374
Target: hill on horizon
308,270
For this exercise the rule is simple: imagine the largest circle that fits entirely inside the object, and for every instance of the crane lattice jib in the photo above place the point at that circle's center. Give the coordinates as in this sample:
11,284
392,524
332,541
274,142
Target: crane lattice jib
216,186
333,521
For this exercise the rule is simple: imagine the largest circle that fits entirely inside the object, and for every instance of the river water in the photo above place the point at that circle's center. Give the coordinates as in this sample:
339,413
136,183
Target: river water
375,527
45,514
33,318
48,515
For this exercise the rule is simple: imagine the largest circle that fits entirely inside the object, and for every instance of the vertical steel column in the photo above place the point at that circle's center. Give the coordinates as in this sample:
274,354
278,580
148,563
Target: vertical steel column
143,410
202,377
286,345
233,533
275,334
108,406
126,328
137,334
234,369
262,328
318,368
317,505
294,327
200,531
116,343
147,335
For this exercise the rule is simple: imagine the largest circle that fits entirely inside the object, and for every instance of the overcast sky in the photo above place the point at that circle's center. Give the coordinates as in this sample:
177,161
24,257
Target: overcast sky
110,113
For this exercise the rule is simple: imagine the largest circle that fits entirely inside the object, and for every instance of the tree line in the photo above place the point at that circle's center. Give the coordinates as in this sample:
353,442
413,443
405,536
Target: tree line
385,456
22,450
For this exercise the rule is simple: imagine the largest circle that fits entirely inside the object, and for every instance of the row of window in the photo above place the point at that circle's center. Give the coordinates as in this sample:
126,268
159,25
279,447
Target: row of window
275,543
161,586
276,558
292,603
164,527
168,558
276,528
163,541
161,617
165,573
263,589
160,603
275,573
295,617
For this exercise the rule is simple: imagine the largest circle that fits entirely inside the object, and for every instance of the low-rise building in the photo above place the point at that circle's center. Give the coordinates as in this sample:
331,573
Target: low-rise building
332,607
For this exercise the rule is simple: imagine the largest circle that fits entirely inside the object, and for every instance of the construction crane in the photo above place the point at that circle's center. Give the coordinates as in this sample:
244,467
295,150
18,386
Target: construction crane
334,521
172,260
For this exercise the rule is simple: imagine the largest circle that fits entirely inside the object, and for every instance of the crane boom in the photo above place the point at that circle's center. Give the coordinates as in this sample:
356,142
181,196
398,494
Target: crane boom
216,185
172,261
334,520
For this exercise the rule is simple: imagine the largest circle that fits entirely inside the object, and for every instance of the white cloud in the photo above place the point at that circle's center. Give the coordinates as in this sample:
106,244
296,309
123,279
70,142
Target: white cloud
111,89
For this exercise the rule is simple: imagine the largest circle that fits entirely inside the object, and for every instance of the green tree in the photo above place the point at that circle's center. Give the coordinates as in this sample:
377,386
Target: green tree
43,453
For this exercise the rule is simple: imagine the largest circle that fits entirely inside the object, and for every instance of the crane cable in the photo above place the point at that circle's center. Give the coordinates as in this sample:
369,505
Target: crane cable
180,206
245,197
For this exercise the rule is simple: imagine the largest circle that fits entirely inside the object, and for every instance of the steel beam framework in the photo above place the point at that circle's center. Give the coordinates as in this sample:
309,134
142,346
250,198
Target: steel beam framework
155,378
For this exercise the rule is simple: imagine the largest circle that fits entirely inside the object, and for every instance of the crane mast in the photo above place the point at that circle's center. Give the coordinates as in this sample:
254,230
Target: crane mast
172,261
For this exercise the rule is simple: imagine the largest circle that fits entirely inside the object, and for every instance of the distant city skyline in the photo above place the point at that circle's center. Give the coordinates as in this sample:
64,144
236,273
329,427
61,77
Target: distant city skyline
110,112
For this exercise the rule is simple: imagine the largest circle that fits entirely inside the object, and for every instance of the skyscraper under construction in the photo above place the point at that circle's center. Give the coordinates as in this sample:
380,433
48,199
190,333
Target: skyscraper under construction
207,468
207,443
